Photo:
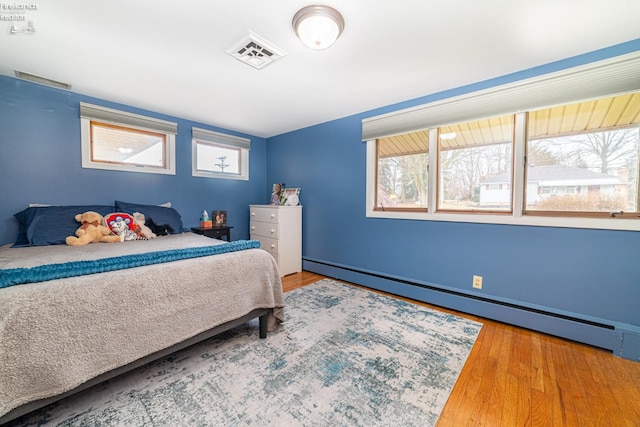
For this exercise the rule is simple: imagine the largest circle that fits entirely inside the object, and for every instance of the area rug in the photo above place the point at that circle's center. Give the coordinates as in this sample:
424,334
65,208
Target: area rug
345,356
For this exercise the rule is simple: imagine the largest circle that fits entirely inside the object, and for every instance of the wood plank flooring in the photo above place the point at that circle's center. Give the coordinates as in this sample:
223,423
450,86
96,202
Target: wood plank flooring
517,377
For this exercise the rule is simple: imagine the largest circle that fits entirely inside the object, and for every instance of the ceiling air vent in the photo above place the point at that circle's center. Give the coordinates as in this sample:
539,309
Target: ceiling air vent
255,51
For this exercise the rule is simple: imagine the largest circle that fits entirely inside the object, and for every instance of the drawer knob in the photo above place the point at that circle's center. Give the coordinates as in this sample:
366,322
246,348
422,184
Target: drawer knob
253,227
273,231
273,246
253,214
273,216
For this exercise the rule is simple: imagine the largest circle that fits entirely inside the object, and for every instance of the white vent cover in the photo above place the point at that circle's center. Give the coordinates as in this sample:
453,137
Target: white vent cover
255,51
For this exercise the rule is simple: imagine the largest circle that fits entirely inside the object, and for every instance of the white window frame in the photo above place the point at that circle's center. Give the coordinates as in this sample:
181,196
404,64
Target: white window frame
94,113
221,140
604,78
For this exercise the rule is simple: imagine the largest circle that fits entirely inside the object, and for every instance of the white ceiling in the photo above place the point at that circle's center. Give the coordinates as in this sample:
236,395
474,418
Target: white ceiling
169,56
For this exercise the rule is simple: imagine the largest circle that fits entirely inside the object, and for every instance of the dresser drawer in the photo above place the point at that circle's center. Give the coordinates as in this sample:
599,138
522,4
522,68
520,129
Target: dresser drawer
268,244
264,215
267,229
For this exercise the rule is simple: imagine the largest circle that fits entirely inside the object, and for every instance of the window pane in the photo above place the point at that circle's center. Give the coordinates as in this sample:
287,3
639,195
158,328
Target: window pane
116,144
475,165
402,171
584,157
217,159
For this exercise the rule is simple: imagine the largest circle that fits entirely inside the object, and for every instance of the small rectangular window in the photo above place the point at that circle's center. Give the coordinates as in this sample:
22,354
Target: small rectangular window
402,172
217,155
583,158
475,165
121,145
121,141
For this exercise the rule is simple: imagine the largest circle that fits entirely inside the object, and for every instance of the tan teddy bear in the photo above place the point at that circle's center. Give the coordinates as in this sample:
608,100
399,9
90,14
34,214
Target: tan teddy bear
92,230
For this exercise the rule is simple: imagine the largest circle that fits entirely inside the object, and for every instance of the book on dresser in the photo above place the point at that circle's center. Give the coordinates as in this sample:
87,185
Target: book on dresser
279,230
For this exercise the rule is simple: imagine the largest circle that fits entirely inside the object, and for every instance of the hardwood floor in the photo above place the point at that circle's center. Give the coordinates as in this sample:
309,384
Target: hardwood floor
517,377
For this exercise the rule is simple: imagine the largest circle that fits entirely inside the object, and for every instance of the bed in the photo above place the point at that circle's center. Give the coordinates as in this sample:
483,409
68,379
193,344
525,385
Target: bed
65,334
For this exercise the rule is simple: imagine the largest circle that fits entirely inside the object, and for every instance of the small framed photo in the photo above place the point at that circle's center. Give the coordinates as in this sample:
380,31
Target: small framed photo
291,197
277,191
219,218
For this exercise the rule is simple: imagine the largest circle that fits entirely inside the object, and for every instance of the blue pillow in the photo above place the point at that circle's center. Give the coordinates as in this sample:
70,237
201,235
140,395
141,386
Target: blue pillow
50,225
159,214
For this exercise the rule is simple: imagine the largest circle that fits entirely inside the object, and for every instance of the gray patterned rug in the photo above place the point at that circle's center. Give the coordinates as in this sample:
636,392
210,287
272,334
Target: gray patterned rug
344,357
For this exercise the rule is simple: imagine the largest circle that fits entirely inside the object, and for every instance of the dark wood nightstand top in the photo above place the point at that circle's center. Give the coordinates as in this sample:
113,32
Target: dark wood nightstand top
214,232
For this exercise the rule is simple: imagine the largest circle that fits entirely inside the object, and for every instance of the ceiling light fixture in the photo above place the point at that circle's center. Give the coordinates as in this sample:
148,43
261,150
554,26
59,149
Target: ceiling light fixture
318,26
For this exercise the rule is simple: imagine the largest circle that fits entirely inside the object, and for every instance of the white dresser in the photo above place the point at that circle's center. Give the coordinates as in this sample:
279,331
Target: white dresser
279,230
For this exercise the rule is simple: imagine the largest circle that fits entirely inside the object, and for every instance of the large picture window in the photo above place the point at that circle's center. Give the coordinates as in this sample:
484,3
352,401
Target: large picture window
559,150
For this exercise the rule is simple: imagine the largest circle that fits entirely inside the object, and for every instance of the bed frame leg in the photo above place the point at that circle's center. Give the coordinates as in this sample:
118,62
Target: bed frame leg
263,325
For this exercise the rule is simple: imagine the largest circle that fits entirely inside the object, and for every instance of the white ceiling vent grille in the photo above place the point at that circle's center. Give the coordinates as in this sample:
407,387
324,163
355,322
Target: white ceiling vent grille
255,51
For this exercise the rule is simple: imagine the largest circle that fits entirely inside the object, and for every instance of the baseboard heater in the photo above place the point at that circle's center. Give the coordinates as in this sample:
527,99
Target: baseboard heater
600,334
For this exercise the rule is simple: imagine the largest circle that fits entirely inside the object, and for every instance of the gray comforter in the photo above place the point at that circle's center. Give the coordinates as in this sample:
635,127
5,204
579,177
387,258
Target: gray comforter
58,334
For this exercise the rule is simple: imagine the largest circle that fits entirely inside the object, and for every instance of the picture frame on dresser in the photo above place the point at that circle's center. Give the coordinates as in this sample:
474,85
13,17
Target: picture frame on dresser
277,192
291,197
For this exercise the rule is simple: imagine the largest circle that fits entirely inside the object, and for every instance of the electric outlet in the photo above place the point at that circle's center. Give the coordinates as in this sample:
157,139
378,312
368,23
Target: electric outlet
477,282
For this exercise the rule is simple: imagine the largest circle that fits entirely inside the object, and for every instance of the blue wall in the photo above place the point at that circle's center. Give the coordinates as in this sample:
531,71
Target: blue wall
589,274
40,163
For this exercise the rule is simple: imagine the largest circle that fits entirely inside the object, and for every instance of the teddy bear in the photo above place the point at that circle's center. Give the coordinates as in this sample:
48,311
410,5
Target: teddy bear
92,230
141,228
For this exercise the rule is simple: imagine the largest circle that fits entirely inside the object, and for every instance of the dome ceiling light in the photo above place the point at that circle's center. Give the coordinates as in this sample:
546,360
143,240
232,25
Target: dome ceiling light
318,26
